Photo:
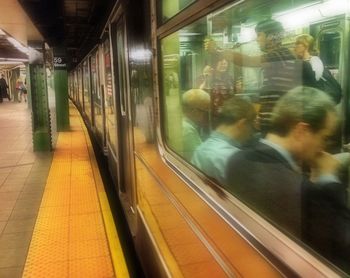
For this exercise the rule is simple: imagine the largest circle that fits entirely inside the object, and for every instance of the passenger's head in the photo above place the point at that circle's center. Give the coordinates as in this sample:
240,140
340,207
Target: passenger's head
269,34
221,65
196,104
2,75
305,44
307,117
239,113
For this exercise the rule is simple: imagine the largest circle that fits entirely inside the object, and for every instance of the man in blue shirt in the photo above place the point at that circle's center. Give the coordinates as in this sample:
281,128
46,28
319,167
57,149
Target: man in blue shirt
234,122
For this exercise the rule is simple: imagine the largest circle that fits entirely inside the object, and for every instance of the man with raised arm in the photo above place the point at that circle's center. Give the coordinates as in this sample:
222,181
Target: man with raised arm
281,70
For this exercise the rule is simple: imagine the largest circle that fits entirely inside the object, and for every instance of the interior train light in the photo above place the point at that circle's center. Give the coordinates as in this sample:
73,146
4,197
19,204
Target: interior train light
305,15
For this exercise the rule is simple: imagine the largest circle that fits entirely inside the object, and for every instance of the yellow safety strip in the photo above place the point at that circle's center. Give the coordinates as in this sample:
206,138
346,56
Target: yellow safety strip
118,259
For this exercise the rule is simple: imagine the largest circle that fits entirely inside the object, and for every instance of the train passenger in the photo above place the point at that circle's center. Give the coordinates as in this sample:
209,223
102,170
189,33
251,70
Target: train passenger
235,122
305,49
195,103
218,82
269,177
281,70
204,81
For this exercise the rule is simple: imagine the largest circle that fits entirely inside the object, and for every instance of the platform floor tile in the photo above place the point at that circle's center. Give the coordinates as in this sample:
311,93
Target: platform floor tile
69,238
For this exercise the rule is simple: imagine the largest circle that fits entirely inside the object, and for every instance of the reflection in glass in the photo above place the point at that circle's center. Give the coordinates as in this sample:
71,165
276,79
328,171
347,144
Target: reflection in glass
247,51
86,86
170,8
109,97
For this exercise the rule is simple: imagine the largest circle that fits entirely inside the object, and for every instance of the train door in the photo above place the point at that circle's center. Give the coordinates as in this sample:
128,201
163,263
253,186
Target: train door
332,40
93,86
124,114
80,88
109,103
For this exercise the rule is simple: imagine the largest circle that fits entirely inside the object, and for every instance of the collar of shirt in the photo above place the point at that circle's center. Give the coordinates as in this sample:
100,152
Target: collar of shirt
191,123
282,151
221,136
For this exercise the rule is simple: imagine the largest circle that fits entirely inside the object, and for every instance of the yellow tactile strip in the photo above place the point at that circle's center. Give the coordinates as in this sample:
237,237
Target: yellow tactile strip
74,235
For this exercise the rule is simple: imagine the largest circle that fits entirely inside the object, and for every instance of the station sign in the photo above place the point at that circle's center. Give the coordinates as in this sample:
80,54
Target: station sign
59,63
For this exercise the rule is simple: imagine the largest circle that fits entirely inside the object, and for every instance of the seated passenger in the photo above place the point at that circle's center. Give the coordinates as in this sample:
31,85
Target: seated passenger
235,121
269,176
195,103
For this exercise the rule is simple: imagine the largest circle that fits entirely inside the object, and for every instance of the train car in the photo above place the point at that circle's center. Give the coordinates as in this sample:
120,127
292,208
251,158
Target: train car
131,87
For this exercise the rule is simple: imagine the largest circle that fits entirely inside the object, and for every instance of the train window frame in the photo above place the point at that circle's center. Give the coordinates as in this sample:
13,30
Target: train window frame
160,13
235,212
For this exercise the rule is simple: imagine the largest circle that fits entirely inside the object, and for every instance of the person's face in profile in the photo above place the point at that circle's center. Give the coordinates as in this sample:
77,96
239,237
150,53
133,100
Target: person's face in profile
200,114
261,39
248,129
315,142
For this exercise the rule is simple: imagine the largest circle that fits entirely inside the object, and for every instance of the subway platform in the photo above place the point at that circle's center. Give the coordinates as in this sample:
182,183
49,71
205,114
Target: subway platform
55,219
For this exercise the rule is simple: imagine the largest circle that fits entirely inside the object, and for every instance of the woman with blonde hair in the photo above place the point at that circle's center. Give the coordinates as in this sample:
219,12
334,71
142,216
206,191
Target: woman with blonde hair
21,89
305,49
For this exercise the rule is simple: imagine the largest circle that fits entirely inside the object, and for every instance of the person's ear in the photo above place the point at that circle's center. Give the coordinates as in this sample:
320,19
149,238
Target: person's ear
242,123
300,130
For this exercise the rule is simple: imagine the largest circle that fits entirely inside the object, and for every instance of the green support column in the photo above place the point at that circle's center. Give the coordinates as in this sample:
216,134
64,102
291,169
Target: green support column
61,90
39,99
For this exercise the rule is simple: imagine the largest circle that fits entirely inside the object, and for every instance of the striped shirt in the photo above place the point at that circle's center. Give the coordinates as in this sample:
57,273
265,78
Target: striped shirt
282,72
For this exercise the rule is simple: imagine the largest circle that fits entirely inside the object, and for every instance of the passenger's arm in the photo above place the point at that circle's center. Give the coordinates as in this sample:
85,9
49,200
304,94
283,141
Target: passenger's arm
233,56
241,59
324,168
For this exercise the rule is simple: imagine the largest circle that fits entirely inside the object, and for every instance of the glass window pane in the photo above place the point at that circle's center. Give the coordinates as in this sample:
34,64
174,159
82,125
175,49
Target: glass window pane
110,106
96,93
169,8
80,87
86,86
241,88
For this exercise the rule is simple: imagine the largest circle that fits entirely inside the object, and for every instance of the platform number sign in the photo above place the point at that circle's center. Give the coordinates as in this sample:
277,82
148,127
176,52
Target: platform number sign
59,63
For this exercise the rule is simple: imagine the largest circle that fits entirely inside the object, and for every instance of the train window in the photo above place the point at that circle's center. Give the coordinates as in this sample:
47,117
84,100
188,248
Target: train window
86,87
80,88
330,48
109,97
223,81
169,8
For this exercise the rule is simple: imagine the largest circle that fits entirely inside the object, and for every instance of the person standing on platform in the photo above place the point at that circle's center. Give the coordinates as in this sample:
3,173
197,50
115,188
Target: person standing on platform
3,88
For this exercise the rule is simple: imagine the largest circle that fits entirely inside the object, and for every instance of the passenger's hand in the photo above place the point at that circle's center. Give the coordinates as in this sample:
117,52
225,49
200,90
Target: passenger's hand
210,45
325,164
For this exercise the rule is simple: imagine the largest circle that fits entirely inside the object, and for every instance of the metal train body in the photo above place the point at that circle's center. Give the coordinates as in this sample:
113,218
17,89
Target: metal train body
183,223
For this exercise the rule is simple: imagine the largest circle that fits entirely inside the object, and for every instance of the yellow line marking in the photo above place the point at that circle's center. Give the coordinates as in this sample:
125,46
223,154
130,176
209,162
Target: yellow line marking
118,259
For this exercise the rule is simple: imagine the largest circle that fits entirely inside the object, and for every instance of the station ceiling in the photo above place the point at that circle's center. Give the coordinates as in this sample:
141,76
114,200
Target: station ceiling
74,25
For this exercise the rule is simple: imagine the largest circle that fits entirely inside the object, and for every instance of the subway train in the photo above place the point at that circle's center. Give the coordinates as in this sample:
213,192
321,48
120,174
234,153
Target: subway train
130,90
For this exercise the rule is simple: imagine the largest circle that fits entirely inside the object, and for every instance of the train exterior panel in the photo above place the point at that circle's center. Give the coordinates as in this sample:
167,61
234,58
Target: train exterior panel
130,89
